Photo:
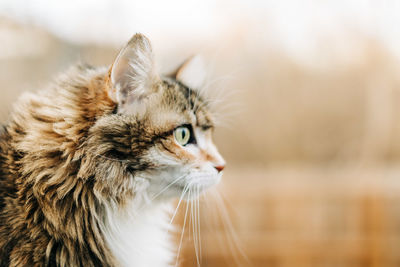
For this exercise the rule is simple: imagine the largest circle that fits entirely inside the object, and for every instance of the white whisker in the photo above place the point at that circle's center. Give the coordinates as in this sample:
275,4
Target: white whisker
232,238
168,186
194,229
183,231
177,206
198,220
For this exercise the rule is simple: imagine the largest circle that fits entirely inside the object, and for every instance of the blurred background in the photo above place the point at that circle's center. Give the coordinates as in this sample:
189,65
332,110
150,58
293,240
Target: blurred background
310,126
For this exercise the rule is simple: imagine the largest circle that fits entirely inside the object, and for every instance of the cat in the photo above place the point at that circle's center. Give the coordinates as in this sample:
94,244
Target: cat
89,166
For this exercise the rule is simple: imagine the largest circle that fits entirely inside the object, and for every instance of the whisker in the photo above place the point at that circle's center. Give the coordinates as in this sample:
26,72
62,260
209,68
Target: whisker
197,226
233,241
214,224
177,206
191,217
199,222
194,229
163,190
168,186
183,231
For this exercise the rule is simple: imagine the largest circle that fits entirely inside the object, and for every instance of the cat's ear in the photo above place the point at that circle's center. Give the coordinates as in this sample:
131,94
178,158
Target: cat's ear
192,72
133,73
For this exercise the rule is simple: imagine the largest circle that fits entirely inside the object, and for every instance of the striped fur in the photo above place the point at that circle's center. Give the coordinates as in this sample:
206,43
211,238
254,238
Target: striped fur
72,161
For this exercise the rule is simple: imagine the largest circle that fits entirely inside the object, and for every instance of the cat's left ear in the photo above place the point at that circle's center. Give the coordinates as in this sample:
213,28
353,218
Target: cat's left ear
192,72
133,73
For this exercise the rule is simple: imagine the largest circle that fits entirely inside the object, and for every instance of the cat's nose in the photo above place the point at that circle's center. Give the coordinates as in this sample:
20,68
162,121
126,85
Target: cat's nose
220,168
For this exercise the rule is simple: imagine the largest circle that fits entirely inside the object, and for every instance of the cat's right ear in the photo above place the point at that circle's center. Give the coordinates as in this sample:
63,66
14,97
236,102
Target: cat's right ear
132,74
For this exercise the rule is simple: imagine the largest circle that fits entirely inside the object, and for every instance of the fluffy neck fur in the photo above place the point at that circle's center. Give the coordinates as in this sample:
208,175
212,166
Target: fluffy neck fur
137,233
55,196
140,239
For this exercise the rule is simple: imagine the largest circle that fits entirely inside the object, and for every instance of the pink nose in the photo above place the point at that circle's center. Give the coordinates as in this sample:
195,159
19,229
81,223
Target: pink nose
219,168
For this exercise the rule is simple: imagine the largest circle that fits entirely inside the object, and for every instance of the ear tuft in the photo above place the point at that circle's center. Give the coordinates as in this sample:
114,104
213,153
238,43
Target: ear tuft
193,72
133,73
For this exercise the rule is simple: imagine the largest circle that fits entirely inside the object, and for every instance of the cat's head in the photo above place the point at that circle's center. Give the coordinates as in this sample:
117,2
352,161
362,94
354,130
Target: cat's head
161,129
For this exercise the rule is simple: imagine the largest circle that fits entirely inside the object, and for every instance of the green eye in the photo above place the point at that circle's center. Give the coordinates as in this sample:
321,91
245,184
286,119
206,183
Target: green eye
182,135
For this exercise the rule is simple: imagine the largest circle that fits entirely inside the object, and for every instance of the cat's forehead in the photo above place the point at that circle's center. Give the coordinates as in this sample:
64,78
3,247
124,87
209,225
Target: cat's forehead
186,103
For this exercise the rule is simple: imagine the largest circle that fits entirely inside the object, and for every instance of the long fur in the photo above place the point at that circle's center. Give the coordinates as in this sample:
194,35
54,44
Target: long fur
78,178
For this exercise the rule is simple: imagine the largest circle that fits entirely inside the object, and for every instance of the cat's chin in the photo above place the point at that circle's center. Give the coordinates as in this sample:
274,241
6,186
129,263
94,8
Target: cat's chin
194,188
190,185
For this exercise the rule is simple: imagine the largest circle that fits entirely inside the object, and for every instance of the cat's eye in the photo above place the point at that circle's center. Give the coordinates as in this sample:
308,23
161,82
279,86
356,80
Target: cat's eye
182,135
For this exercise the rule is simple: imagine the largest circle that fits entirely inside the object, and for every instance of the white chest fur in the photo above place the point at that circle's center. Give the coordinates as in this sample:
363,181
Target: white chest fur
140,239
